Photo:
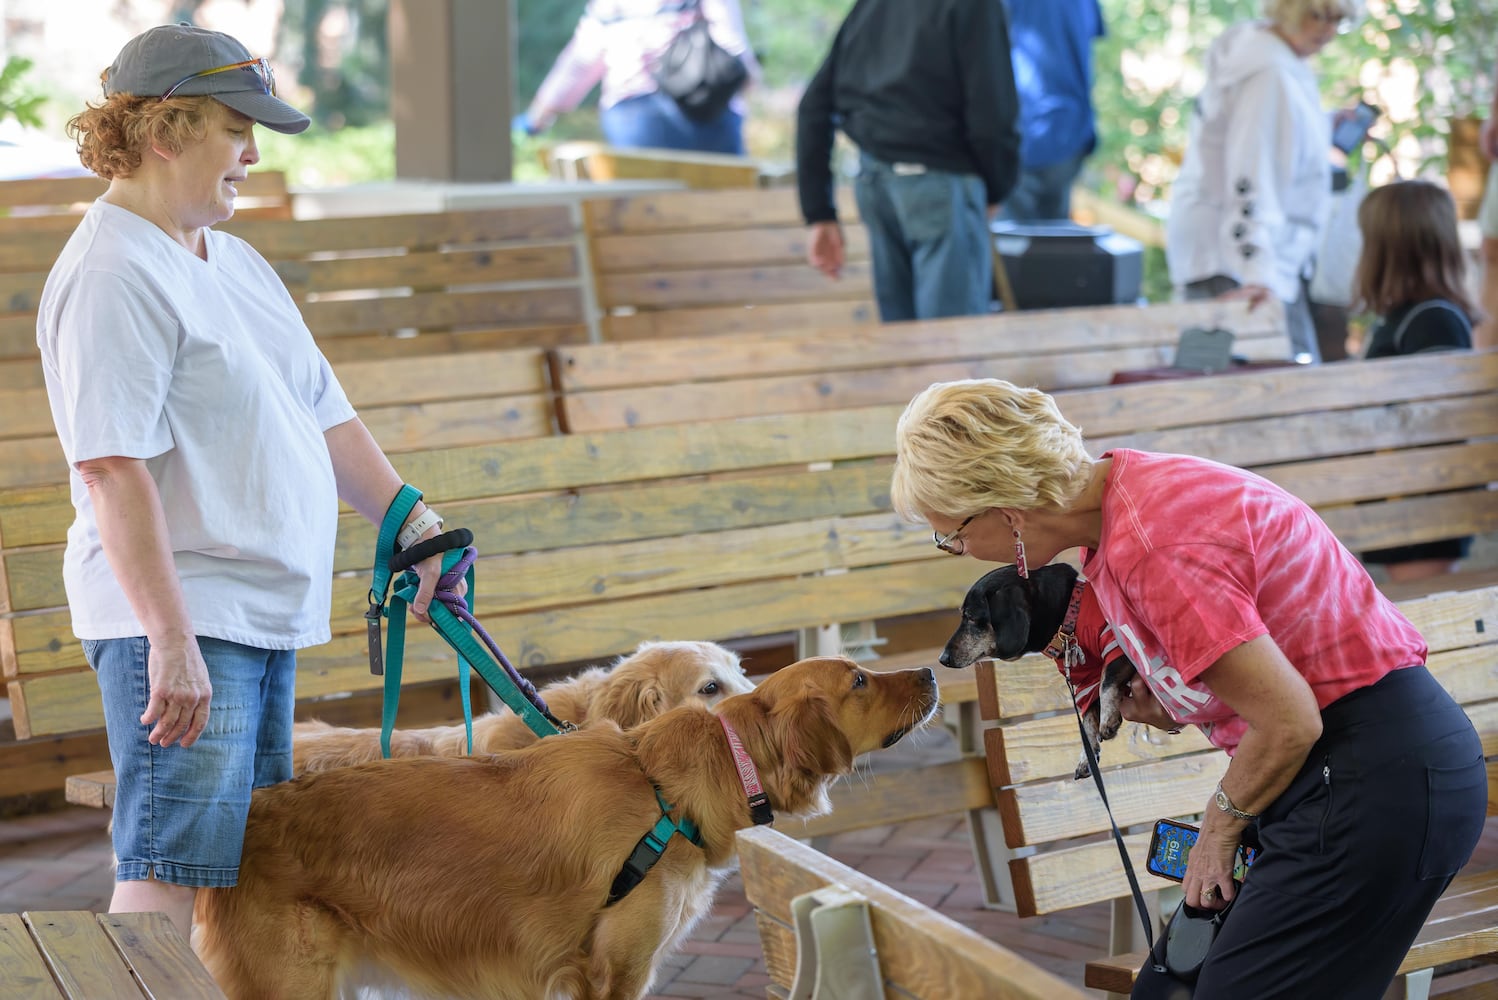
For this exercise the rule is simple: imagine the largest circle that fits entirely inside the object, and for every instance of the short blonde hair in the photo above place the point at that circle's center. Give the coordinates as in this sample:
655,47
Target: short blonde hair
1290,13
113,135
964,447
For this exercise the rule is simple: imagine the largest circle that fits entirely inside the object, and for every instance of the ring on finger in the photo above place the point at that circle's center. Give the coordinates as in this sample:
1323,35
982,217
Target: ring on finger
1210,892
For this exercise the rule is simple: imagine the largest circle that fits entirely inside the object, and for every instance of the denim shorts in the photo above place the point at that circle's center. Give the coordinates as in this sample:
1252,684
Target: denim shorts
179,814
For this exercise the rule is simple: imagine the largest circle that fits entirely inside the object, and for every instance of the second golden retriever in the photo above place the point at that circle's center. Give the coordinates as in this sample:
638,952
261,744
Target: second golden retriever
656,677
489,876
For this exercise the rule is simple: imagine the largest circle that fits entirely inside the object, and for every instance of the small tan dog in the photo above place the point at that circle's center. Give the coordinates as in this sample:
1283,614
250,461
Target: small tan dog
655,678
490,876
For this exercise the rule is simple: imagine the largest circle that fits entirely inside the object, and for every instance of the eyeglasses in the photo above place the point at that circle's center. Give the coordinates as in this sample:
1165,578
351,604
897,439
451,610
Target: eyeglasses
260,67
953,542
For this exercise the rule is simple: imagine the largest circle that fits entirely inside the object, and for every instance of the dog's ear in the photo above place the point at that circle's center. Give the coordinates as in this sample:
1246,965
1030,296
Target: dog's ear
630,697
1009,617
807,748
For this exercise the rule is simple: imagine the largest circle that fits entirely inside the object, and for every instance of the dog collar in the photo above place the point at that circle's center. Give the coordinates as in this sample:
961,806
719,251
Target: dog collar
759,802
1063,647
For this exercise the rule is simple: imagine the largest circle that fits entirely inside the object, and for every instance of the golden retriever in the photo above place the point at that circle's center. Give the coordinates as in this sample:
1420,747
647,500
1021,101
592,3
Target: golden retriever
653,679
487,876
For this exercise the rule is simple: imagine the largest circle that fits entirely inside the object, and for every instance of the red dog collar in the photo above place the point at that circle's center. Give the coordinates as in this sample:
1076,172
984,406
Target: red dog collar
1063,647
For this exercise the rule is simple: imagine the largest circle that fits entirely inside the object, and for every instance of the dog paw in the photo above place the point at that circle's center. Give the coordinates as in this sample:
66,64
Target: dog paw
1109,728
1083,770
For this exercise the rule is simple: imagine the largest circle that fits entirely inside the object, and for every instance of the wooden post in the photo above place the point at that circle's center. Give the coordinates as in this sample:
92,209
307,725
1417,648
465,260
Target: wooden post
452,84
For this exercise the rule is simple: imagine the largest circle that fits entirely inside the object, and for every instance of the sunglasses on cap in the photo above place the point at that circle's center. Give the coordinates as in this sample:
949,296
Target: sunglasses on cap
259,67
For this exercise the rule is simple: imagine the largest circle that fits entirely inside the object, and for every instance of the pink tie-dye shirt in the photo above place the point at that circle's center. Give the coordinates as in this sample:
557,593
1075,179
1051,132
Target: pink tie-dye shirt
1197,558
618,41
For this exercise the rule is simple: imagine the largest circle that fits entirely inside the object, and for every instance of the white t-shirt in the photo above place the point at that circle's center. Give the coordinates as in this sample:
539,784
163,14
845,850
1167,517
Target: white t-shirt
205,369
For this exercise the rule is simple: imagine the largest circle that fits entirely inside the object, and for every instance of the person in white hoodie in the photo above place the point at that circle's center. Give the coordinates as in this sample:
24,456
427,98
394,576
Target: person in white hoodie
1254,188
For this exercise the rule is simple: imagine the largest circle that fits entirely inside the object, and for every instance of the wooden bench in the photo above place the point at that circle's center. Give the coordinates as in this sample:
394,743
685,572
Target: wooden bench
918,952
1057,827
90,956
596,161
683,263
395,285
636,383
753,530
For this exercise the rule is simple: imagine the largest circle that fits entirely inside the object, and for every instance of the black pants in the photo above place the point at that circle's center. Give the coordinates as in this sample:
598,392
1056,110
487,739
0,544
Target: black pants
1388,807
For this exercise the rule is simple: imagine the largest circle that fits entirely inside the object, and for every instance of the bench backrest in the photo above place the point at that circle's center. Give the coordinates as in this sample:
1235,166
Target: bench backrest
590,544
395,285
1070,858
666,380
921,953
683,263
766,525
423,401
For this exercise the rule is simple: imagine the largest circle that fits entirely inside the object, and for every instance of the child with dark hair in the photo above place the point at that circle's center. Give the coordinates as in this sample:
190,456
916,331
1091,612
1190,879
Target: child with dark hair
1412,275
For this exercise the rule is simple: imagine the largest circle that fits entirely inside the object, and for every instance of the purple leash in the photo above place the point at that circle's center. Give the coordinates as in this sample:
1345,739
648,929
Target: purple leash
525,701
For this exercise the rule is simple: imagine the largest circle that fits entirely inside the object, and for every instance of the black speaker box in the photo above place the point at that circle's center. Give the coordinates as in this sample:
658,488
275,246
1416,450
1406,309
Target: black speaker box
1053,265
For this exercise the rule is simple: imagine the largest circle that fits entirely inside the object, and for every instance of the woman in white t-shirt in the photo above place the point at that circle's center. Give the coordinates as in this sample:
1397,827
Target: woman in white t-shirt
209,444
1248,619
1254,189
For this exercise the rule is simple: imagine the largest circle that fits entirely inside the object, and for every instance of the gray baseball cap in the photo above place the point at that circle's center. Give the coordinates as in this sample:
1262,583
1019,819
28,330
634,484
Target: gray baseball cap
167,60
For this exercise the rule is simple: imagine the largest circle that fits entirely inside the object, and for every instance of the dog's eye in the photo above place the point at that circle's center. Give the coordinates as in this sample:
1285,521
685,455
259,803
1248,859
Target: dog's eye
860,679
710,688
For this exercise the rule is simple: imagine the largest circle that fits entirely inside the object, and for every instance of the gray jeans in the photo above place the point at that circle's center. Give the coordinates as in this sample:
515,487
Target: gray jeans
1304,346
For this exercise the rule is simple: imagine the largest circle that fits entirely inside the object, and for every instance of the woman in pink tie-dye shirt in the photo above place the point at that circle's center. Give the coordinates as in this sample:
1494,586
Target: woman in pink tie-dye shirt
1248,619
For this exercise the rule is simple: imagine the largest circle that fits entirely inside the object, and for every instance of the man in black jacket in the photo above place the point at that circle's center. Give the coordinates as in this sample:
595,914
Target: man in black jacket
925,89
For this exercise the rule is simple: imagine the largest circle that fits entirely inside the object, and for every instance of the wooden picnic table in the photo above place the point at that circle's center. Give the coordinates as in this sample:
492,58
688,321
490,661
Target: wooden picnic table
98,956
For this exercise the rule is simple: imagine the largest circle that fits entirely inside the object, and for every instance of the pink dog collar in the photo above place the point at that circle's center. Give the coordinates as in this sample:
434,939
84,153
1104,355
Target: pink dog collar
759,802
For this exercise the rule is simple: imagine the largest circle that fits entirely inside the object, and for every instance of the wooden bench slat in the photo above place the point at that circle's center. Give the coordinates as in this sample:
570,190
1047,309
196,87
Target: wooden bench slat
724,320
722,286
669,251
23,974
80,954
921,952
160,957
911,793
1013,336
669,211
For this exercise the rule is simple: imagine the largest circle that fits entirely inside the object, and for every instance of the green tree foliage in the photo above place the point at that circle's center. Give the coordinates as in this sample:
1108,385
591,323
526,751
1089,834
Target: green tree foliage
17,99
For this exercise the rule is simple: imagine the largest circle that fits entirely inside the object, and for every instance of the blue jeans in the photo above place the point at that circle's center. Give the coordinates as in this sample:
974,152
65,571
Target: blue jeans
653,121
1043,193
179,814
929,240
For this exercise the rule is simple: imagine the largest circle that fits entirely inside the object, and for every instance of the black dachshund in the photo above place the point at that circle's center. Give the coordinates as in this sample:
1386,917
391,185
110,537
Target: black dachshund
1005,616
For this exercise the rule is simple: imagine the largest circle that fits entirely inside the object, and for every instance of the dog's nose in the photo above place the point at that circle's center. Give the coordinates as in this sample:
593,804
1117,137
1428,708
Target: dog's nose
945,659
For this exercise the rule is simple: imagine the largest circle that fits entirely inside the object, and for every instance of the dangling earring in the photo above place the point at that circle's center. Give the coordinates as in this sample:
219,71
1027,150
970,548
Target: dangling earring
1019,557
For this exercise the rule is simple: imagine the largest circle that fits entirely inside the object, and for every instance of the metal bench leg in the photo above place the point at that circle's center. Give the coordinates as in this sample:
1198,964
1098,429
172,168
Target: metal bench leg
1413,986
835,956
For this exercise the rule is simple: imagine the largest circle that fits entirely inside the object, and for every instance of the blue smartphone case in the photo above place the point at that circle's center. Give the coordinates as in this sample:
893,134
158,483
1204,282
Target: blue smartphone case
1171,844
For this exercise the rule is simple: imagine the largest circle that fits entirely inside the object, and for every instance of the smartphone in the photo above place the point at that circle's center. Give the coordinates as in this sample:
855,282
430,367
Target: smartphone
1350,132
1170,846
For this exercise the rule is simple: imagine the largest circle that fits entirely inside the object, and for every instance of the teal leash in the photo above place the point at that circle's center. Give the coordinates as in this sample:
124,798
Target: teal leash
390,597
